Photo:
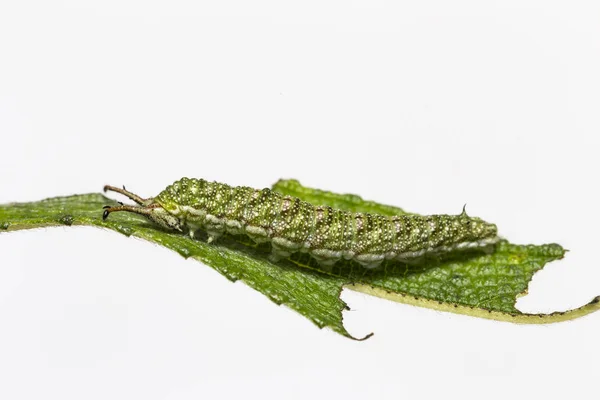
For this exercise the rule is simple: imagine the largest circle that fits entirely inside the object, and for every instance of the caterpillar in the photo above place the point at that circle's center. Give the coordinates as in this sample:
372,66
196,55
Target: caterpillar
293,225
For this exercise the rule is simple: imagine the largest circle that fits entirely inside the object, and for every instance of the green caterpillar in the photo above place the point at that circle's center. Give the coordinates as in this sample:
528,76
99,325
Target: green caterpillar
293,225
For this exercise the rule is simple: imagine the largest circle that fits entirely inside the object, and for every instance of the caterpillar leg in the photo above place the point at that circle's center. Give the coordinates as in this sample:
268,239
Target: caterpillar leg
370,261
275,256
326,258
213,236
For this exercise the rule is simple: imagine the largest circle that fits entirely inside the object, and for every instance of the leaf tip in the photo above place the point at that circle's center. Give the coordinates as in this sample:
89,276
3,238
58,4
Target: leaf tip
363,338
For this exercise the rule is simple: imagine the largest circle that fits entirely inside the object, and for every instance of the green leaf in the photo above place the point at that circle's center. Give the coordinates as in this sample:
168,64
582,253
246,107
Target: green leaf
484,285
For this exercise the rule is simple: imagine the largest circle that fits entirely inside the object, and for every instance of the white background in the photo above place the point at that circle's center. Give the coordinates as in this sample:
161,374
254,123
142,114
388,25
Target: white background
427,105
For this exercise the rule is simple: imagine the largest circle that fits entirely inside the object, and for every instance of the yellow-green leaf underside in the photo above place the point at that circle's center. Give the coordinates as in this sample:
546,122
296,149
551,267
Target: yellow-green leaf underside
477,284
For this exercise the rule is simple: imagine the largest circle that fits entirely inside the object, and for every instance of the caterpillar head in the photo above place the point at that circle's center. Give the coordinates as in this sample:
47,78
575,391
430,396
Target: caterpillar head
149,208
153,212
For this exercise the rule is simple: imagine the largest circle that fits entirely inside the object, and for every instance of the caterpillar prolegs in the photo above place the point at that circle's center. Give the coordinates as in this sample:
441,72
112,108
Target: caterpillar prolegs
293,225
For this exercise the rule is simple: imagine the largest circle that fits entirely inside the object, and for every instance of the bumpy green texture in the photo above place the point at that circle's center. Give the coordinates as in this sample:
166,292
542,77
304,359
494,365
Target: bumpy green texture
328,234
475,284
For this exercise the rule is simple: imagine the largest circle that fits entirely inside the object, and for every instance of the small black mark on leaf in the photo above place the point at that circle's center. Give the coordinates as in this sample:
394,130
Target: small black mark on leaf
66,220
